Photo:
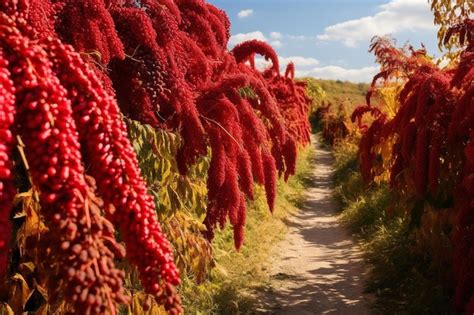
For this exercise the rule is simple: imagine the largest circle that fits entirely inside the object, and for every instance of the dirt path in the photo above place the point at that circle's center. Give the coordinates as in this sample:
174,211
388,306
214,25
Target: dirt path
318,268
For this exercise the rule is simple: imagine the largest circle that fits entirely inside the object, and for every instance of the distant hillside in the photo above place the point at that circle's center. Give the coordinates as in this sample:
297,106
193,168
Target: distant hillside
348,94
340,91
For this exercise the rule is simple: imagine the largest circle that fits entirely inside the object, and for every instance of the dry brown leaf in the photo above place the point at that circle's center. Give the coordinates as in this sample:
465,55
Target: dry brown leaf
19,293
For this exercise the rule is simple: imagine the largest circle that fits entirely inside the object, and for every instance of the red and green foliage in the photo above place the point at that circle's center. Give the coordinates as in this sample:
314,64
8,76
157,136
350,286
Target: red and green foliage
430,139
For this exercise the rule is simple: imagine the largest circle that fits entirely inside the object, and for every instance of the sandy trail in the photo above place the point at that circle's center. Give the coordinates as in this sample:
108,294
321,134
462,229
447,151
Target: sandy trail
318,268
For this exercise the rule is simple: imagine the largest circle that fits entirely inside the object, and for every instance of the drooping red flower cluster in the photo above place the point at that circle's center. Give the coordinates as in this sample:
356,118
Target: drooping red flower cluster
434,135
294,106
66,119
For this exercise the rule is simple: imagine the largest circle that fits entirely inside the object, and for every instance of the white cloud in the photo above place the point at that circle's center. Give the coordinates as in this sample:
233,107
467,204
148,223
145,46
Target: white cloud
245,13
394,16
276,43
364,74
242,37
261,63
276,35
299,61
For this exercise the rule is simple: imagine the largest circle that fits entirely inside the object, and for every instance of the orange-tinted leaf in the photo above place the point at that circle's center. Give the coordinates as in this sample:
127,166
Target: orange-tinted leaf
19,293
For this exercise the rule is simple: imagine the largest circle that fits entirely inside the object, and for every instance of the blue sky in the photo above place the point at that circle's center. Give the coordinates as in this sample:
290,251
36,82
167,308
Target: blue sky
330,38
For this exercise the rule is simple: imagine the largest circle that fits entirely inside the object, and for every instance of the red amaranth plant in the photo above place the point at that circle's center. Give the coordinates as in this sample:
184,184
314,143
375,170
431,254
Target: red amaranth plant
151,84
434,135
169,66
55,91
247,50
293,105
425,107
75,244
231,173
115,166
97,37
461,131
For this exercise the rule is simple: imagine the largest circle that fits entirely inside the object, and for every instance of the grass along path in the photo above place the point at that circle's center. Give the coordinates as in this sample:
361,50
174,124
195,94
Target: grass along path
317,268
231,286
